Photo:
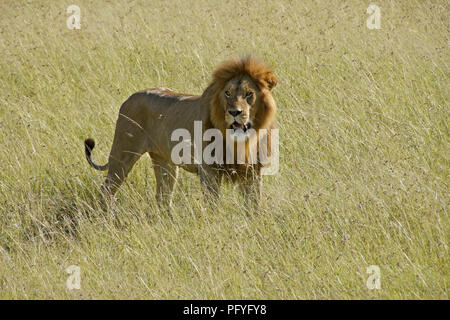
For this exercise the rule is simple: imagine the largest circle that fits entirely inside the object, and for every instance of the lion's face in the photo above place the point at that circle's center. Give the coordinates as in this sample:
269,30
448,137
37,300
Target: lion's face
240,99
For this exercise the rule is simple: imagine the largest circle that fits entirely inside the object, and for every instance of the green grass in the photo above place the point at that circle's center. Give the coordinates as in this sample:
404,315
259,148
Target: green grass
364,155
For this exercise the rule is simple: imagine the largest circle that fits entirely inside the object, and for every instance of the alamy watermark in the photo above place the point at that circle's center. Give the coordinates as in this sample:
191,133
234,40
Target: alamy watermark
374,20
374,280
241,147
74,21
74,280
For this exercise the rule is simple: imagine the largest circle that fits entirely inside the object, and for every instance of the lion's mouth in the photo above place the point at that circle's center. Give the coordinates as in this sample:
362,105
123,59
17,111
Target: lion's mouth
239,126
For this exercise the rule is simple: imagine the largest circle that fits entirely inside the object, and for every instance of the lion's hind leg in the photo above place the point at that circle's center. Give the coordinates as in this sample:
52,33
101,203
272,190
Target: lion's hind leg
118,171
128,146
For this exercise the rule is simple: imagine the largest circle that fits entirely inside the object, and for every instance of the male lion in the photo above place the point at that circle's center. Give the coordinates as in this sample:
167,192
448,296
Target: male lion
238,98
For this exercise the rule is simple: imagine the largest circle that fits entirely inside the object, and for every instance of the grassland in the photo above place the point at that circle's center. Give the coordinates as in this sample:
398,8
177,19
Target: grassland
364,154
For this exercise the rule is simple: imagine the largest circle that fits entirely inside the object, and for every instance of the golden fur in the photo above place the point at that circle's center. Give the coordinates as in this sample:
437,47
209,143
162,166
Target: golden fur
239,95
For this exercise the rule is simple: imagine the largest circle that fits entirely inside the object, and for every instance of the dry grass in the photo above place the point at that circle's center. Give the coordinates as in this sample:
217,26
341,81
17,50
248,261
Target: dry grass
363,118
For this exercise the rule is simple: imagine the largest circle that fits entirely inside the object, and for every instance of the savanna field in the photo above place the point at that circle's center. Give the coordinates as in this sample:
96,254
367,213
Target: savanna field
364,152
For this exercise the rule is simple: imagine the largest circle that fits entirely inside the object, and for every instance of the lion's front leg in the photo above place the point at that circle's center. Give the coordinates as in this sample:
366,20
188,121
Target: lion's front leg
253,192
166,177
210,178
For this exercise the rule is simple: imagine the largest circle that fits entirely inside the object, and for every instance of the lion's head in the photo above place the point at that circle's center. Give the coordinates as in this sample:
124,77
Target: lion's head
241,95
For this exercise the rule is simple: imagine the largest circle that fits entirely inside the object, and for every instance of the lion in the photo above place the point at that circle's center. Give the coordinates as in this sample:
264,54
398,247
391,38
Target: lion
238,98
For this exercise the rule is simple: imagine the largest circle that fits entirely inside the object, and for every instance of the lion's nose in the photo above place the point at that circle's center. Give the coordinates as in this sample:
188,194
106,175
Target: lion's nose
235,113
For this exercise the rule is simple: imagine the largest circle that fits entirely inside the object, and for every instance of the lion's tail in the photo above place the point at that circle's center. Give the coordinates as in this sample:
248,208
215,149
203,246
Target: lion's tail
89,145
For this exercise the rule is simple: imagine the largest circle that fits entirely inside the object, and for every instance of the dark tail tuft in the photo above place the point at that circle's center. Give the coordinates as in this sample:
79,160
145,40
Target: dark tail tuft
89,145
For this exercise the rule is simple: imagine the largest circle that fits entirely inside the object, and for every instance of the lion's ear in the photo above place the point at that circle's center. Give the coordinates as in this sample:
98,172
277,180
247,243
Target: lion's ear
271,80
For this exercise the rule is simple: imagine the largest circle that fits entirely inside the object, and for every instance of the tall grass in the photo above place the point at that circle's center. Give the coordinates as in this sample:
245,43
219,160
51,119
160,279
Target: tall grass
363,180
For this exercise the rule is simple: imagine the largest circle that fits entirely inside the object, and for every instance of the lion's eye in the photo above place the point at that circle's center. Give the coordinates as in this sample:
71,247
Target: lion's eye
249,94
227,94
